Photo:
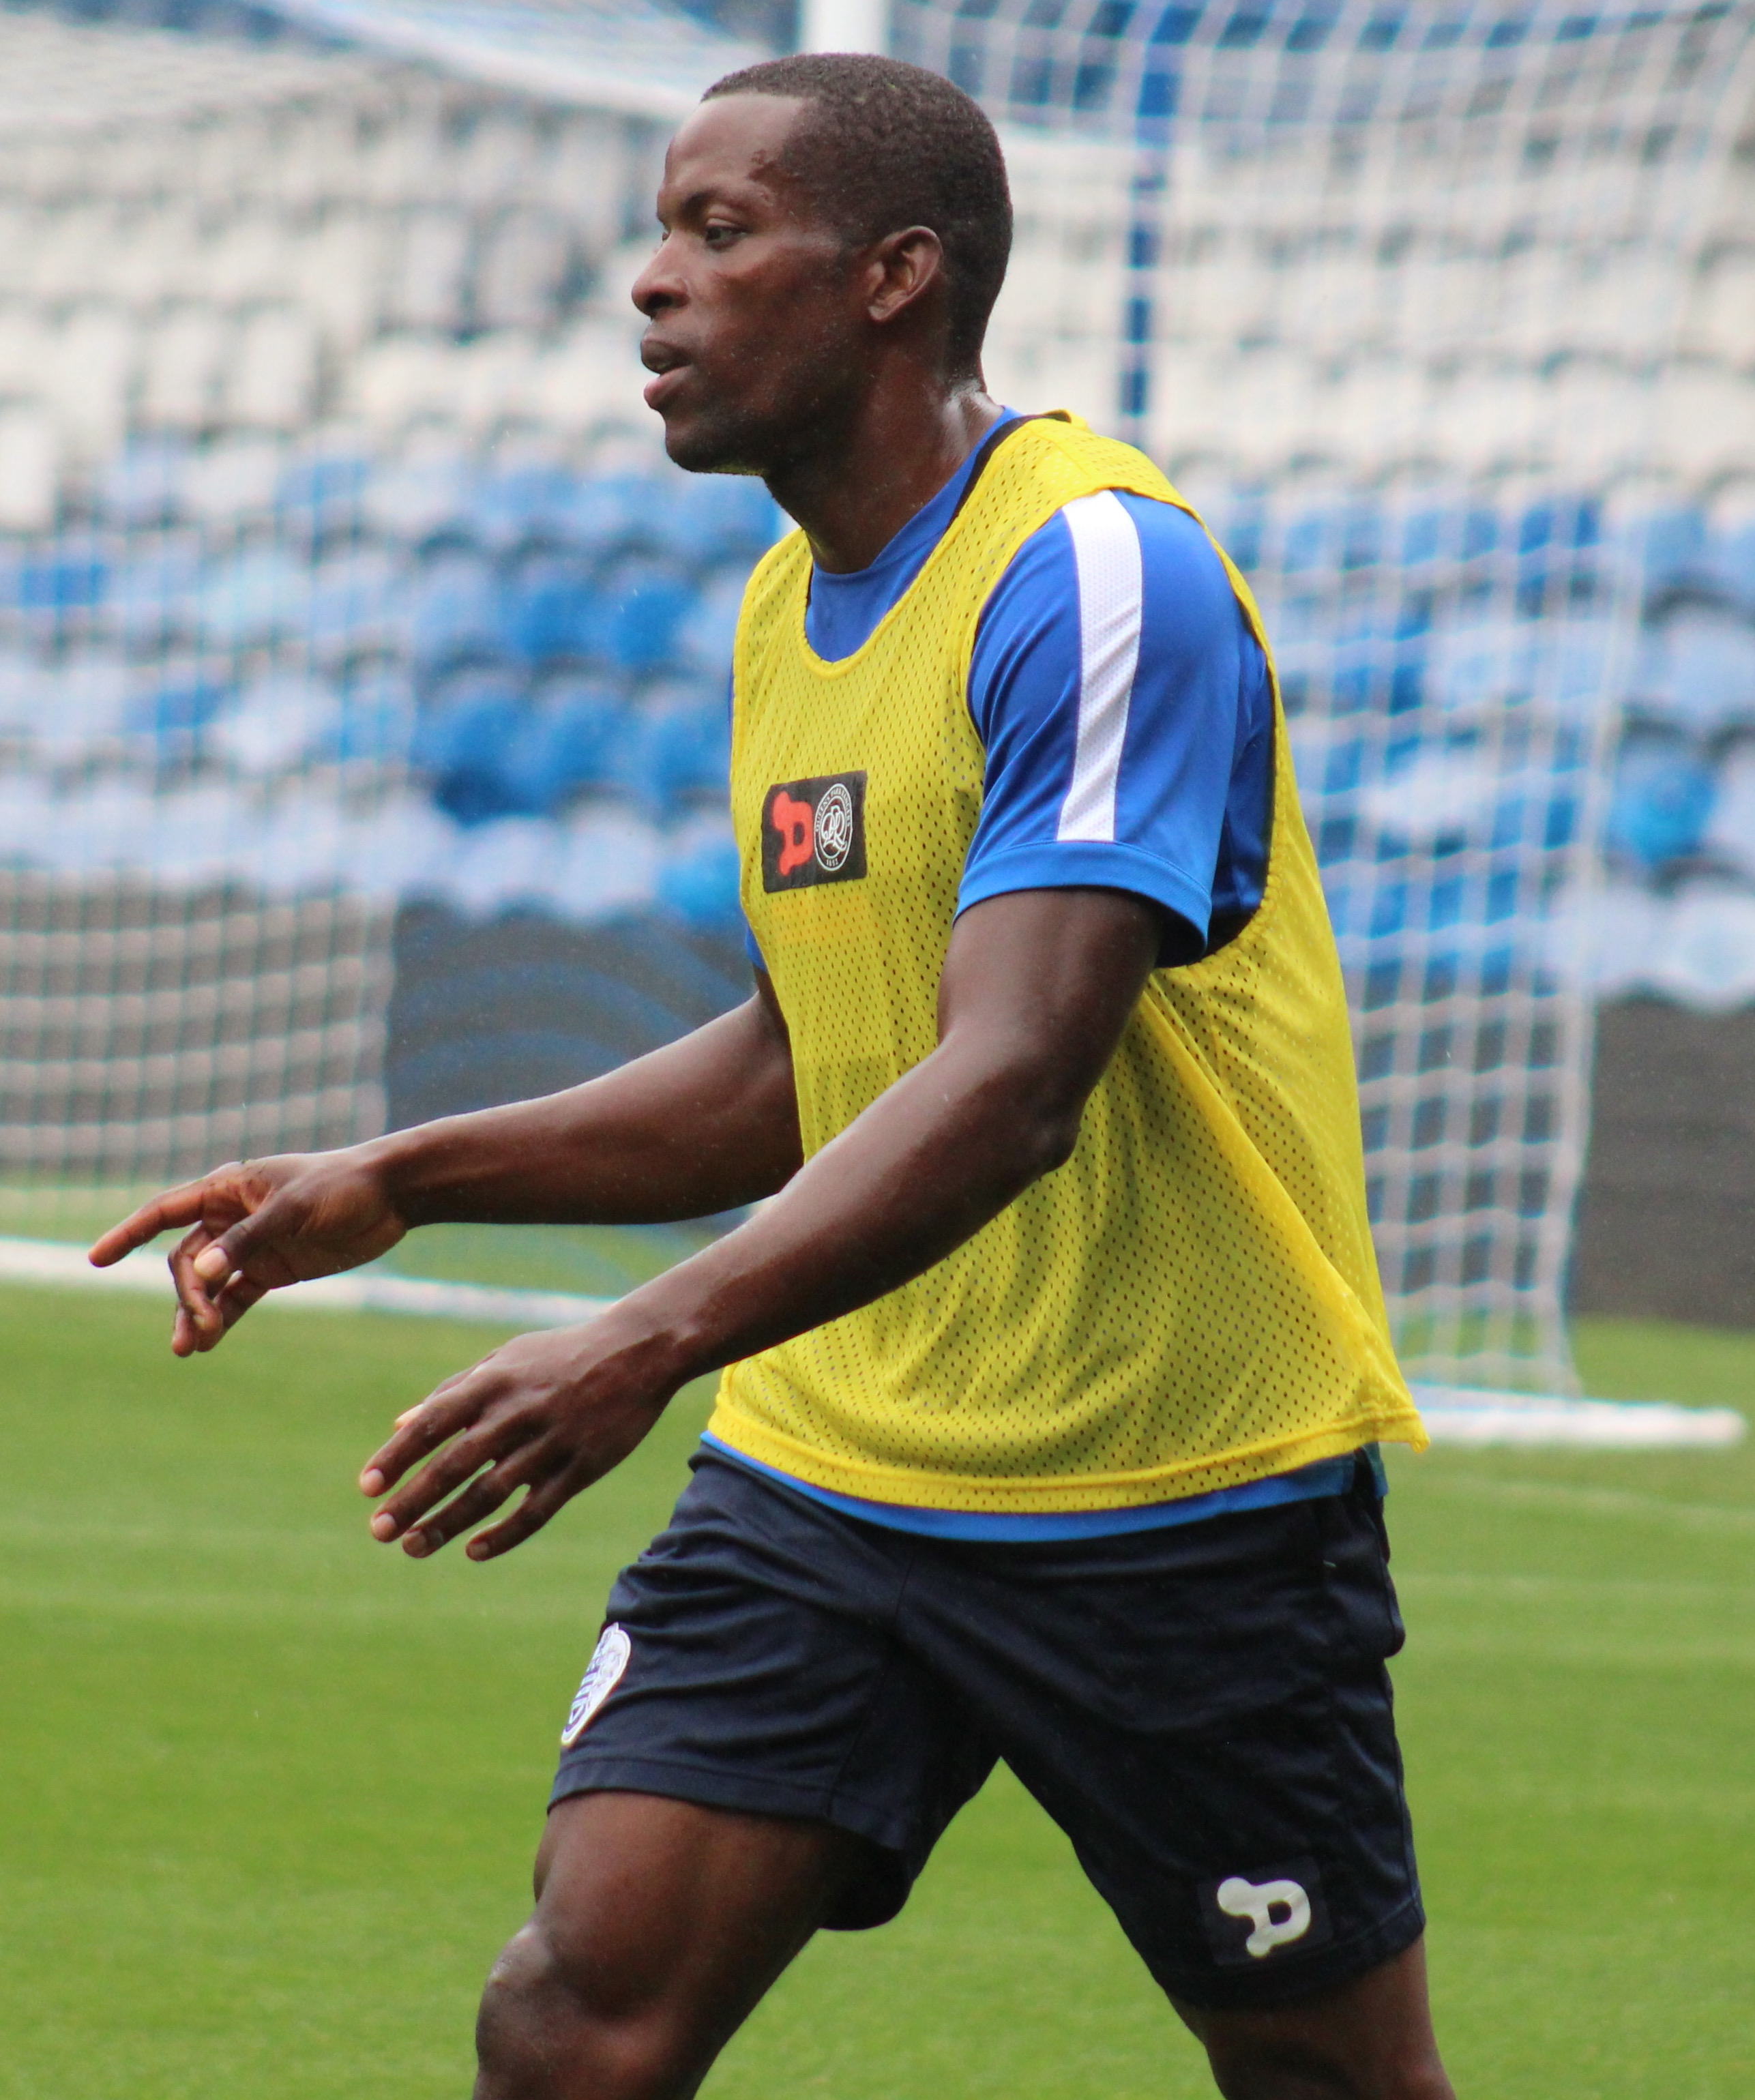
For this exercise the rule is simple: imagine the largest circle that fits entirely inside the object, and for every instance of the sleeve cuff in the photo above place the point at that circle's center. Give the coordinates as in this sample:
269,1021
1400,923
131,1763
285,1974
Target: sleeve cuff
1082,864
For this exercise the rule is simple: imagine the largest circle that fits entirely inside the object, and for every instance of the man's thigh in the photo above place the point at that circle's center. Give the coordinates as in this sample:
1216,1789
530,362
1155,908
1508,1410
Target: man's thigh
1370,2039
659,1926
751,1664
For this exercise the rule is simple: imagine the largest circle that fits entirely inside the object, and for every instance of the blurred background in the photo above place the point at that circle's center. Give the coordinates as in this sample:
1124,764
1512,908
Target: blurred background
362,736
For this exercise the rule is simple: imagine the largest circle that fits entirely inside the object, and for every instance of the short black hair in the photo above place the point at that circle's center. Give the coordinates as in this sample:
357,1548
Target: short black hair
888,145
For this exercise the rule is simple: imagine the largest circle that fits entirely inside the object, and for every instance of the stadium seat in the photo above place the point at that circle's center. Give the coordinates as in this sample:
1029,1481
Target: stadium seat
1662,800
526,271
701,886
677,751
275,723
375,726
358,599
460,742
1698,668
30,465
571,738
548,609
186,352
455,611
321,492
427,260
708,629
230,479
168,717
253,598
636,610
272,377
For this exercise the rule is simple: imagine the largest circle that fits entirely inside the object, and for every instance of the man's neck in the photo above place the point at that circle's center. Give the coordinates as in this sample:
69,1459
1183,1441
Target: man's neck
898,446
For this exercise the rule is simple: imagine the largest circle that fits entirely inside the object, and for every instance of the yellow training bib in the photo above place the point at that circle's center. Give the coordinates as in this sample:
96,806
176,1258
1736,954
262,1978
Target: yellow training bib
1192,1301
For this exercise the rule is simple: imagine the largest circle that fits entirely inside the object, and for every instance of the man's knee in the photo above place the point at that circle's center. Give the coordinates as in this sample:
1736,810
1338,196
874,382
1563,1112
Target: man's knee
1370,2039
1282,2068
551,2029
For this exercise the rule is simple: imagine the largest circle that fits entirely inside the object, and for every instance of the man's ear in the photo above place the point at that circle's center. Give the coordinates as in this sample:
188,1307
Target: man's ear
902,268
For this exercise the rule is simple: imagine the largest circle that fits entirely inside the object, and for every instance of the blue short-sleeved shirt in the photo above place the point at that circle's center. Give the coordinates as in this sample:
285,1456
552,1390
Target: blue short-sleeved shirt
1193,784
1159,783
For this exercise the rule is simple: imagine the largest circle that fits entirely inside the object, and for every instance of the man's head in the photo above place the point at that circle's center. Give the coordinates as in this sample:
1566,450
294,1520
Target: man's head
820,211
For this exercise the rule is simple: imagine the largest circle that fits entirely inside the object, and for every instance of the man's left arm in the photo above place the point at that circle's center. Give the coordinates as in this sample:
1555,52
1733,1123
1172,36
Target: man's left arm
1038,986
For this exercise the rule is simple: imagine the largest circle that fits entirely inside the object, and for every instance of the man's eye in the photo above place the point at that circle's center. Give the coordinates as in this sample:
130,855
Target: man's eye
719,235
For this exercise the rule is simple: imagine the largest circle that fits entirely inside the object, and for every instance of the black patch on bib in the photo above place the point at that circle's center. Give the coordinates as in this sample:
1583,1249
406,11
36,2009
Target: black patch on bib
813,831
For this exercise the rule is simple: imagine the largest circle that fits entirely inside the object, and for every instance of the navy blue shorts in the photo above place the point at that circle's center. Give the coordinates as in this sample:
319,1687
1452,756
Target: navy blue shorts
1204,1709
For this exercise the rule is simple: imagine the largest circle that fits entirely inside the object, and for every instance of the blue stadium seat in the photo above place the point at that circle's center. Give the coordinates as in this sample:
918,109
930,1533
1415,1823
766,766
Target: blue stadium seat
455,609
1731,562
152,591
254,596
609,512
701,886
1661,802
716,517
708,629
168,720
377,719
461,740
62,577
546,608
678,751
143,484
1669,546
571,740
637,606
321,493
523,503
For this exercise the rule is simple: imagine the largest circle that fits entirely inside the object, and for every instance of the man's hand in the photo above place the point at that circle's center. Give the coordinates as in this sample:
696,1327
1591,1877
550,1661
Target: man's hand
257,1225
549,1412
703,1125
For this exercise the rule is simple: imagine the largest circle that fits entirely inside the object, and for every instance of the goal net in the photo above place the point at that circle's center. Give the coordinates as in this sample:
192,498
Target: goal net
1440,312
362,736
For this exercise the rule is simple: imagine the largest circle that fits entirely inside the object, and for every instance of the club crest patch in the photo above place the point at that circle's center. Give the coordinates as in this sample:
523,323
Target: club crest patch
603,1673
814,832
1251,1917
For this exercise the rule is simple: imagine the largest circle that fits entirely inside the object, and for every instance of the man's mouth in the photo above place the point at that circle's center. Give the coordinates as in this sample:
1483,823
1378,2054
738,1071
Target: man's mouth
668,363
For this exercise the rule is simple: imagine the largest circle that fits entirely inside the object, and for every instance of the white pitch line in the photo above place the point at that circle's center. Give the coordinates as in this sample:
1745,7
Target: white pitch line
55,1263
1453,1414
1456,1415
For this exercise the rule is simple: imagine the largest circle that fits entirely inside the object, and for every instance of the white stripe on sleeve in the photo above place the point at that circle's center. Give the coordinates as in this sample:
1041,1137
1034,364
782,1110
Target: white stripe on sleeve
1106,554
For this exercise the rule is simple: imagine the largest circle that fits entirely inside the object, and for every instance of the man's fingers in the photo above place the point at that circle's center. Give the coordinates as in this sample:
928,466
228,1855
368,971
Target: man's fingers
232,1304
175,1206
439,1477
233,1247
519,1522
192,1294
480,1498
445,1410
455,1408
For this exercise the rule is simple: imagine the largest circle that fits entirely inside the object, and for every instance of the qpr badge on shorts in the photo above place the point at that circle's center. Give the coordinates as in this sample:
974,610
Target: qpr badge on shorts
1251,1918
603,1673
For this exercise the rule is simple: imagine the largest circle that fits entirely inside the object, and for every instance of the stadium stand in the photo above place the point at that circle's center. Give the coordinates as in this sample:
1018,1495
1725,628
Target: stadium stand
362,730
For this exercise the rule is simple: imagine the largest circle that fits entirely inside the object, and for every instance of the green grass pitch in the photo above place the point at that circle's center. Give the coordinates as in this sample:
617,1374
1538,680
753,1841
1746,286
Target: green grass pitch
268,1793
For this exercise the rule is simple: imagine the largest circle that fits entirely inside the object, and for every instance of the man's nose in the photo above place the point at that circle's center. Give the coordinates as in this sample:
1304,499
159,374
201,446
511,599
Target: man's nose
657,286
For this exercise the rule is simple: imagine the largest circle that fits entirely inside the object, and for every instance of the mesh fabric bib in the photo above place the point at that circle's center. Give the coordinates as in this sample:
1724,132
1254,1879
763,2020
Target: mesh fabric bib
1192,1301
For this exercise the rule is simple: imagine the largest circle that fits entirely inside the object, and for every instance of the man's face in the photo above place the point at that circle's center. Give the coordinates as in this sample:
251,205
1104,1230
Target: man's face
754,305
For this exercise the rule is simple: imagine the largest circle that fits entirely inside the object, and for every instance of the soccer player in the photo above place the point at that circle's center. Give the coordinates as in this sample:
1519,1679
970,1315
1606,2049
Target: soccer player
1054,1368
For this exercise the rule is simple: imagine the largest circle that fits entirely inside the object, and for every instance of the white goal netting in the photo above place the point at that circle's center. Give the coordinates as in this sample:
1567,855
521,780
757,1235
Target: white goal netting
1444,314
361,664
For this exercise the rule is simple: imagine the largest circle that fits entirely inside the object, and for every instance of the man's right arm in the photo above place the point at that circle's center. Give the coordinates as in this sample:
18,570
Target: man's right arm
703,1125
